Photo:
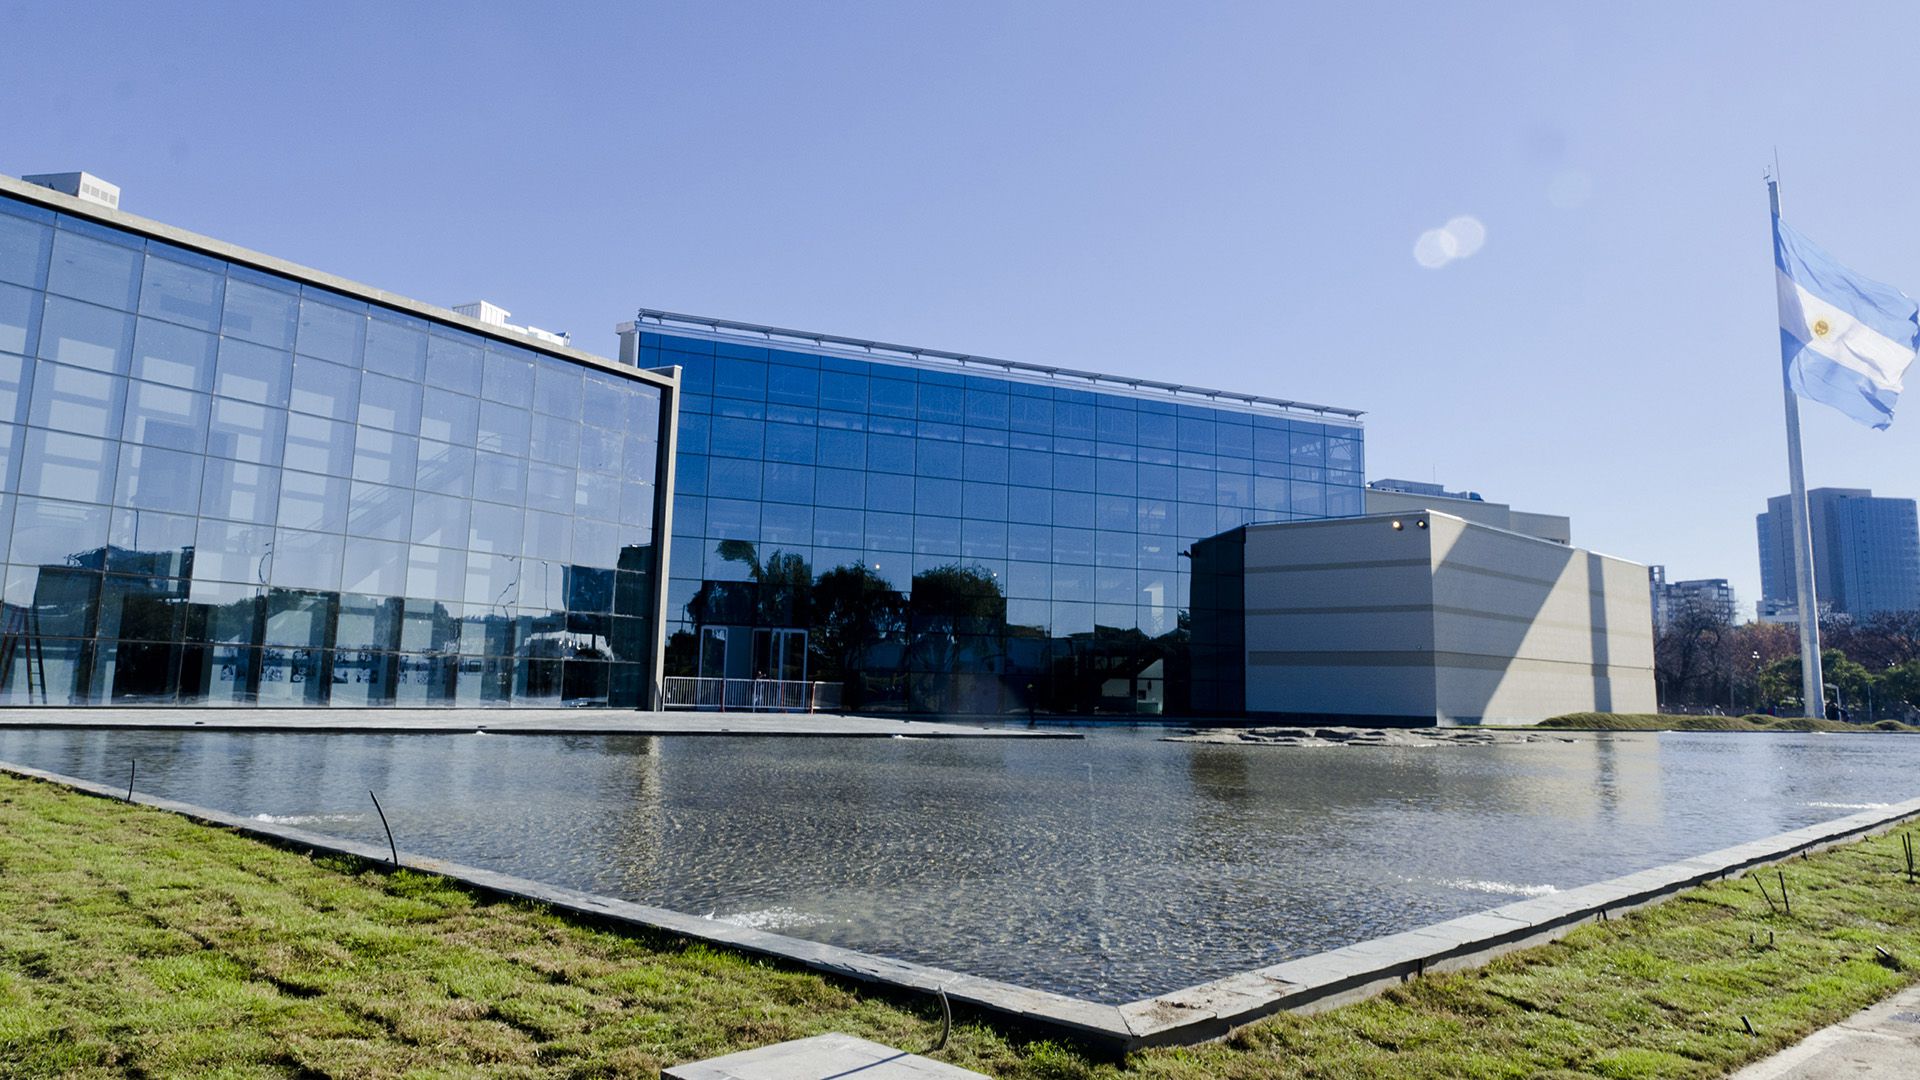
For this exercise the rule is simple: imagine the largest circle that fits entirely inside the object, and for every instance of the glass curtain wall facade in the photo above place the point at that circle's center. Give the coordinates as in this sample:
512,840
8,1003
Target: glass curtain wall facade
944,541
225,486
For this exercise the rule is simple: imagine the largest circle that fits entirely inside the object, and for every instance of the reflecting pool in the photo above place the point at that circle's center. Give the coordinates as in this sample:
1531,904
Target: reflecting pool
1113,868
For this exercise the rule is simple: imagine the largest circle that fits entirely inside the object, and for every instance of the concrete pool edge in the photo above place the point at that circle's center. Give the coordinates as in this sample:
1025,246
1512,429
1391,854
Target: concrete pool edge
468,721
1189,1015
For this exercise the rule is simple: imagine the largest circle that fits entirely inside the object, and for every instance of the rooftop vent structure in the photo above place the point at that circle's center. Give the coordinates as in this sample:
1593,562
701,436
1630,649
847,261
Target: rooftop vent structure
80,185
495,315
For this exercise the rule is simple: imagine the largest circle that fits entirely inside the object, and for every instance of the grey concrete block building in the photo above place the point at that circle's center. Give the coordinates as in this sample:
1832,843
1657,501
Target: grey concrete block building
1409,618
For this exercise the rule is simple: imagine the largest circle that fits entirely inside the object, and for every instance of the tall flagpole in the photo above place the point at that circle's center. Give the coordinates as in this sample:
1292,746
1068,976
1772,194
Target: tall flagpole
1812,686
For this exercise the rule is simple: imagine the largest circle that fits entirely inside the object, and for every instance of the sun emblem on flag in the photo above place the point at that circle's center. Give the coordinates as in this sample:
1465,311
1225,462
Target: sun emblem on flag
1821,328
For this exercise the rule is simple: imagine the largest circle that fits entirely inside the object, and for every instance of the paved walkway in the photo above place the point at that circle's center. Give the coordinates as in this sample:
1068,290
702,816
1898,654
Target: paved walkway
1877,1043
513,722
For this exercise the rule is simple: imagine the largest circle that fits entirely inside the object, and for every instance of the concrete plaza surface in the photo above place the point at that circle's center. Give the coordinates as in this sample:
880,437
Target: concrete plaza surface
1881,1042
510,722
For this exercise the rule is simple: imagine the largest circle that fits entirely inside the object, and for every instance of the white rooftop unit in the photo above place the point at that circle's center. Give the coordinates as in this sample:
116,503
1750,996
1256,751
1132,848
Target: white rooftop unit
495,315
80,185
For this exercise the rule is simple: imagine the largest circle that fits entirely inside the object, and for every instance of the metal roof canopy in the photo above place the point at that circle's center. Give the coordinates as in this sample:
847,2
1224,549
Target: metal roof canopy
668,319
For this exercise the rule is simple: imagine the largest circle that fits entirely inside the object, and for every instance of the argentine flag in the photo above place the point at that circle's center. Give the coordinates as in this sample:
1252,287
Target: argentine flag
1846,340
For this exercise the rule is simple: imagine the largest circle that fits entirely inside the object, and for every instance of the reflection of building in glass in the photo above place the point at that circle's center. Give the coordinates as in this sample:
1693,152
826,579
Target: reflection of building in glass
949,533
232,480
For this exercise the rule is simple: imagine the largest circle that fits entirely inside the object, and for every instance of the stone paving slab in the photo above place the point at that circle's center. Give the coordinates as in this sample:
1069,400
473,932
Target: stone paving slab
1881,1042
822,1057
513,722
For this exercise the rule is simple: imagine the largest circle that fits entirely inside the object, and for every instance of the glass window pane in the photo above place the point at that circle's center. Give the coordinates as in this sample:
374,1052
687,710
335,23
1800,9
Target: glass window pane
174,355
549,487
60,465
240,491
176,292
260,314
440,519
86,336
509,378
453,359
436,573
147,542
399,348
47,531
324,389
445,468
384,457
14,371
374,567
23,250
556,389
94,270
384,513
495,528
448,417
549,537
19,317
554,440
306,560
231,551
151,478
166,416
501,479
246,432
386,402
504,428
249,372
316,444
317,503
76,400
330,333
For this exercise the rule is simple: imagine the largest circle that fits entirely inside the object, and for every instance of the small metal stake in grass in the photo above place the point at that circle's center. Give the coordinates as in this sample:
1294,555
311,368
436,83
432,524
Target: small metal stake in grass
946,1019
1886,958
1906,842
383,824
1783,892
1749,1025
132,764
1762,886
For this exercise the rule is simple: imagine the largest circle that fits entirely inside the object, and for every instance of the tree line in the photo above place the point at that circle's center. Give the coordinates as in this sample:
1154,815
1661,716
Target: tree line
1871,664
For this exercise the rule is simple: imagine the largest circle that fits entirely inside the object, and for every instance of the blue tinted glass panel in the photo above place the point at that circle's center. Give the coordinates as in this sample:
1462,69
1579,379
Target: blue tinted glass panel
330,332
261,314
178,293
24,245
86,335
174,355
400,348
95,270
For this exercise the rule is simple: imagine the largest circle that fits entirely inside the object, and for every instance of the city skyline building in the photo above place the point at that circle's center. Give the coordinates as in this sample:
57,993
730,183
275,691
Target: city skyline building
1866,553
1673,599
953,533
229,480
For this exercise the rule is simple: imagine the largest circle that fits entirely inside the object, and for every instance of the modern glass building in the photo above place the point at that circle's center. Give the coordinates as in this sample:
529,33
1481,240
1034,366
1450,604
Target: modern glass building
953,533
228,480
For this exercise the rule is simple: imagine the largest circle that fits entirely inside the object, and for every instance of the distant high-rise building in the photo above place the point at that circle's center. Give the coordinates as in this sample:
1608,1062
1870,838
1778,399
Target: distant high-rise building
1866,553
1674,599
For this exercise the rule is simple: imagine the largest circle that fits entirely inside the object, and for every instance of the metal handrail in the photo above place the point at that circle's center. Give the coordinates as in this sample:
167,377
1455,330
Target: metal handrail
749,695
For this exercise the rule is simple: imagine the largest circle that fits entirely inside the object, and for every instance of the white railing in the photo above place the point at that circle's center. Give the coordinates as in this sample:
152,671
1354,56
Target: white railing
750,695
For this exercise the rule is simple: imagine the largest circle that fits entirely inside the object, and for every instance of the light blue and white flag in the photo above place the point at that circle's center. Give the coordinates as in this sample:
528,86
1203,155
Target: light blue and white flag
1846,340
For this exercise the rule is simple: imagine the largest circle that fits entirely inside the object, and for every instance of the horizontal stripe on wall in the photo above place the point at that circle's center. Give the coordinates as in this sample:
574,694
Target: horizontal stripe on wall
1413,658
1466,613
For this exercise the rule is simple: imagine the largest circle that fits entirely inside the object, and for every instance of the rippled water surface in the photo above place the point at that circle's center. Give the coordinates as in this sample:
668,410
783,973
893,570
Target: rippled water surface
1113,868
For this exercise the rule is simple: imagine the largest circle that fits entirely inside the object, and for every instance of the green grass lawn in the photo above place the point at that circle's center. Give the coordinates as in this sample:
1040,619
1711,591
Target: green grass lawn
1603,721
137,943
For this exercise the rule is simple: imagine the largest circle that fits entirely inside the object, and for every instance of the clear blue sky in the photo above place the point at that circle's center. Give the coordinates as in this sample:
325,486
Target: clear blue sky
1224,194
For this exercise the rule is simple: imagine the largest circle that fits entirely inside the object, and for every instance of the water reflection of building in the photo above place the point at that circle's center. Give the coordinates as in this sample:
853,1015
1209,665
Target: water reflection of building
954,533
232,480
